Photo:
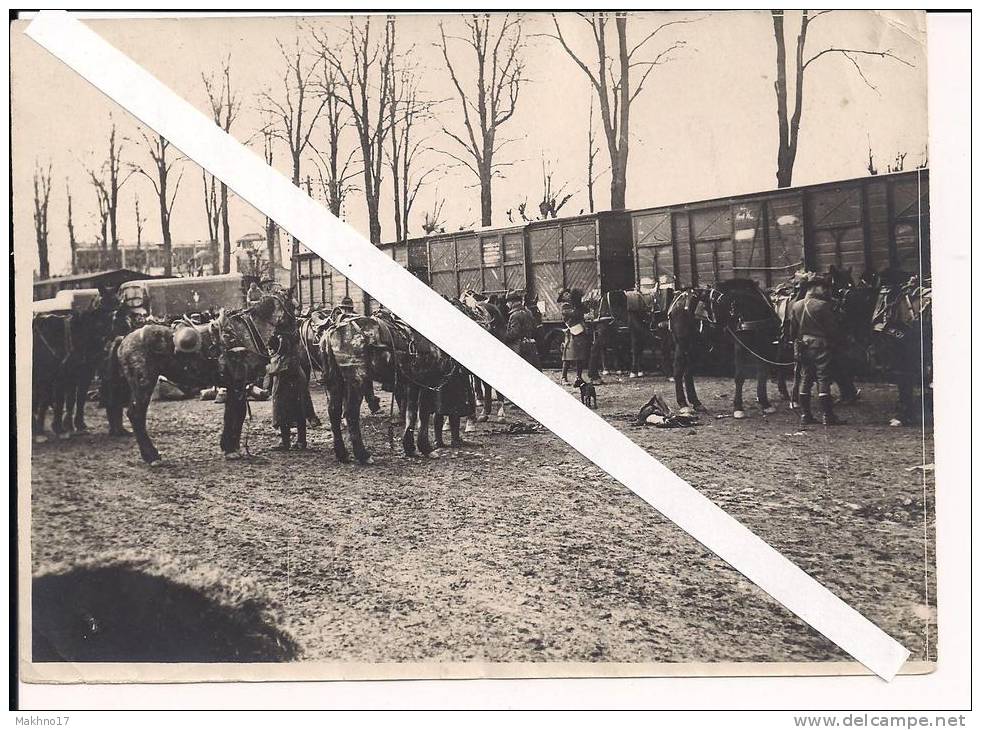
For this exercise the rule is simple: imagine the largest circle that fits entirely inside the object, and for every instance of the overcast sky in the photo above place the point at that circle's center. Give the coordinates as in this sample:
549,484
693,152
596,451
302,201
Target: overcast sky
704,126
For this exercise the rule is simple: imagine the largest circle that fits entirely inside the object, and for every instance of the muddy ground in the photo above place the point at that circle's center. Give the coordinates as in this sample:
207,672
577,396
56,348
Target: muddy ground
515,549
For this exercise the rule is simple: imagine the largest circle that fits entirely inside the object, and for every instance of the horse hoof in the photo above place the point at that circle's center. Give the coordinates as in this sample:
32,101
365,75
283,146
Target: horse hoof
686,411
233,455
64,435
606,372
366,461
739,414
895,422
482,418
40,439
155,463
431,455
469,428
769,410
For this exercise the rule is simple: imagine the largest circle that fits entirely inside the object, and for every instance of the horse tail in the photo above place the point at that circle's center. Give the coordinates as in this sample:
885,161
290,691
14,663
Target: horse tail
113,386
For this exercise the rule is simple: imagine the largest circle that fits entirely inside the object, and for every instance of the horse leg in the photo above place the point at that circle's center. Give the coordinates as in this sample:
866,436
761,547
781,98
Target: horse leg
425,413
438,422
739,378
411,417
41,413
138,407
679,376
488,394
236,405
636,350
69,396
335,409
689,380
57,409
81,398
352,411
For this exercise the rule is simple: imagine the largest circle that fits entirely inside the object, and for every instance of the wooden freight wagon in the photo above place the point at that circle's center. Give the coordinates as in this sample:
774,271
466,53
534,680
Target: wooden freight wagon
412,255
488,260
866,224
168,299
542,258
319,284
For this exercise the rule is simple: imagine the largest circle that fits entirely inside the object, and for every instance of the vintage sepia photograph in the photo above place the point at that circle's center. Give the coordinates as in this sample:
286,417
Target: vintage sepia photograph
710,228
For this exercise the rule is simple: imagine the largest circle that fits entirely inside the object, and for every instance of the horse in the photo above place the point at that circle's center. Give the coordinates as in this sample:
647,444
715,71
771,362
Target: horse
67,351
902,339
627,320
357,350
229,351
690,327
743,312
491,316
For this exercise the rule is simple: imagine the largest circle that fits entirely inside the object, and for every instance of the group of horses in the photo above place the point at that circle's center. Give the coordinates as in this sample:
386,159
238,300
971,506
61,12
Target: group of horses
885,320
230,350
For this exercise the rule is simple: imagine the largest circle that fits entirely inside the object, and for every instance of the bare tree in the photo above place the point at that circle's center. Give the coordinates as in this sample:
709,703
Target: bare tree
213,212
272,238
406,109
140,220
334,171
433,219
42,196
107,180
294,115
552,200
225,106
102,237
491,101
363,68
72,241
614,86
789,121
157,147
591,151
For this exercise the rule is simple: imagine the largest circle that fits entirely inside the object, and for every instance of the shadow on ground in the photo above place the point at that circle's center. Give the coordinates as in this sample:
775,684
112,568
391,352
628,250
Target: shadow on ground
120,614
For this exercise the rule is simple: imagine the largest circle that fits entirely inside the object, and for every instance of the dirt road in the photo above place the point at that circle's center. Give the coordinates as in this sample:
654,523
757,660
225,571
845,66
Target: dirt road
515,549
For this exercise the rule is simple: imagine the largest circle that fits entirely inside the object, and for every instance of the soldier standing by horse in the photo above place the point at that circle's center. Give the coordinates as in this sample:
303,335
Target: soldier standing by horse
814,331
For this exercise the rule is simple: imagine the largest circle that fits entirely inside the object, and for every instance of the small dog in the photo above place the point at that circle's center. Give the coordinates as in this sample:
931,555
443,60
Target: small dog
587,394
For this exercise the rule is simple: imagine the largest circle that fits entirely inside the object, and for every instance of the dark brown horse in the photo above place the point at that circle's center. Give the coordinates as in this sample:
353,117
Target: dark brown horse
358,350
68,348
747,319
229,351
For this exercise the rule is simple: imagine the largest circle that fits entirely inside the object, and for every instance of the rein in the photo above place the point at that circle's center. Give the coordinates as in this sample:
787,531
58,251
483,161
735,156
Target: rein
753,352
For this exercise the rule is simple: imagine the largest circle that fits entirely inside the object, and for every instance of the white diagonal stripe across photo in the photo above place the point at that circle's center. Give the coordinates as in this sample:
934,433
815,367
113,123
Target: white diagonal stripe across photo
136,90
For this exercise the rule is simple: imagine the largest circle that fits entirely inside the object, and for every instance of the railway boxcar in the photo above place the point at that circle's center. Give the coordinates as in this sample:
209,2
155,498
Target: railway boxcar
542,258
318,284
865,224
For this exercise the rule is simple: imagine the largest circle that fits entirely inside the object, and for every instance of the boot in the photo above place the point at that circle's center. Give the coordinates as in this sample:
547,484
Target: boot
804,402
828,417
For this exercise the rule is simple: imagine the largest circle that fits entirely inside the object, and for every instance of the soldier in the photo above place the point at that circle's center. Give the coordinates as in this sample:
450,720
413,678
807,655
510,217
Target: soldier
254,295
813,331
520,335
288,384
575,347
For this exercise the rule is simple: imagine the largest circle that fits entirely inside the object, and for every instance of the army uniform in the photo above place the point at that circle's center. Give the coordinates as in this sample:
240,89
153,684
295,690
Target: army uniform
813,328
520,335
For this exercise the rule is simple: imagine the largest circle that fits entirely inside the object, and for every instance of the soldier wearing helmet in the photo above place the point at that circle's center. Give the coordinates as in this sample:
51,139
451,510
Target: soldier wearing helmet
813,330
